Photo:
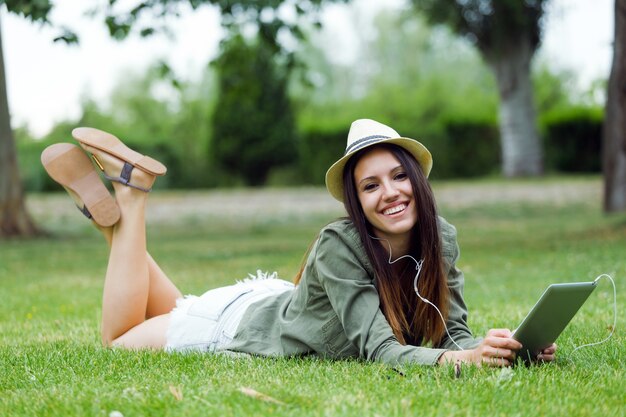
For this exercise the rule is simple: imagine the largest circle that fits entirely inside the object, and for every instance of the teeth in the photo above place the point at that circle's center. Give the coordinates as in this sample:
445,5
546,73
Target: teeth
395,209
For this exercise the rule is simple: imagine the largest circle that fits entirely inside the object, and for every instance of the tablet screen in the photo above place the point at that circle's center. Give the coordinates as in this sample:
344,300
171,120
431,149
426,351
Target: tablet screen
550,315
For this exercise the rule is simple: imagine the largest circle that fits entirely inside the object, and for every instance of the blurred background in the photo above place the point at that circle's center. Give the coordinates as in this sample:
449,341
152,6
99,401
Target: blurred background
262,92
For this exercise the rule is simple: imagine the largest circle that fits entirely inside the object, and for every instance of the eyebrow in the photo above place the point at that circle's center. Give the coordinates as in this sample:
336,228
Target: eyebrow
371,177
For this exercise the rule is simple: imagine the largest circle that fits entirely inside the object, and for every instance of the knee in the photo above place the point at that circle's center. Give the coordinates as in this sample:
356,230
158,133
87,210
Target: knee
109,340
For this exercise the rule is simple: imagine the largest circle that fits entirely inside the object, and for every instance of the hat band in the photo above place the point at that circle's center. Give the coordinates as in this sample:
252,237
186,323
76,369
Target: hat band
363,142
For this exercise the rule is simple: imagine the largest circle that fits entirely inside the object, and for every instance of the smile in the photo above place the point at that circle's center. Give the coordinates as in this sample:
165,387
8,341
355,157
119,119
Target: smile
395,209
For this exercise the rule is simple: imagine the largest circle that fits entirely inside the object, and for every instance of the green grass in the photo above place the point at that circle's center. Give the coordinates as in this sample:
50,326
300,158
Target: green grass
51,361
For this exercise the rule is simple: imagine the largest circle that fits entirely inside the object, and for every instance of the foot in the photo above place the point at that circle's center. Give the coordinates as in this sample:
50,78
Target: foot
113,166
94,138
69,166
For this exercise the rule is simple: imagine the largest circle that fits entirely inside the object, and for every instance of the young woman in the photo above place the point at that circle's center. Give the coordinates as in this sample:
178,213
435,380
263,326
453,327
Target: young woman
381,284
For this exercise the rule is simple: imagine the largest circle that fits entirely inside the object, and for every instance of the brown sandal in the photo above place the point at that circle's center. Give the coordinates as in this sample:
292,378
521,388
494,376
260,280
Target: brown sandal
68,165
110,144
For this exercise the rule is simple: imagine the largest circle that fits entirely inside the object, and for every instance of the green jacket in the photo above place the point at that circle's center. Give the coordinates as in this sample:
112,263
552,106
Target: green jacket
334,310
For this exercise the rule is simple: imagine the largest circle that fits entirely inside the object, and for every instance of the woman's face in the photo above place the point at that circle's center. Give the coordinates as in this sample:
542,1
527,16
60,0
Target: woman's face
386,195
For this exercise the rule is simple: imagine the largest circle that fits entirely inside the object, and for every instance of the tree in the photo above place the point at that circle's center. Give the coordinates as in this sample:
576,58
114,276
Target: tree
253,123
14,218
614,146
507,33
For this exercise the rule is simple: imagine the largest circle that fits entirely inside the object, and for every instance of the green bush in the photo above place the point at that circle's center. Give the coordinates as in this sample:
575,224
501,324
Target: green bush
175,131
253,123
467,148
319,148
32,173
573,139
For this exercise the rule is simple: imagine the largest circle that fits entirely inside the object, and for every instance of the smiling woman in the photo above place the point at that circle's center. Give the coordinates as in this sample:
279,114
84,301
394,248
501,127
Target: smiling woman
386,196
360,294
390,200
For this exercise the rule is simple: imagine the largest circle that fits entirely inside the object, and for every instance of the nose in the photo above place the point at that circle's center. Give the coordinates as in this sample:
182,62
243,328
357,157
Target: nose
390,191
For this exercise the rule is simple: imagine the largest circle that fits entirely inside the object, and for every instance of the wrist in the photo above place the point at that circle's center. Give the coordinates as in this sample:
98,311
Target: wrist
447,357
452,356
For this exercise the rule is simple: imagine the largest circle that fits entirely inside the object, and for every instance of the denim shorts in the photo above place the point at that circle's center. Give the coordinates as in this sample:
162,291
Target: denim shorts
208,323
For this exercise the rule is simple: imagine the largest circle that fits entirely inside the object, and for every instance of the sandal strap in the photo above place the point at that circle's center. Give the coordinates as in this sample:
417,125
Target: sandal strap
124,178
84,211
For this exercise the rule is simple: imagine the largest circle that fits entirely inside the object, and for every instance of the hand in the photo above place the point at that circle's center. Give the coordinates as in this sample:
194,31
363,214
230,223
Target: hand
548,354
496,349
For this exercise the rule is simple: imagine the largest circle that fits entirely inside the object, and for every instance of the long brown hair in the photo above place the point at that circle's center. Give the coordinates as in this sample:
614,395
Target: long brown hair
411,320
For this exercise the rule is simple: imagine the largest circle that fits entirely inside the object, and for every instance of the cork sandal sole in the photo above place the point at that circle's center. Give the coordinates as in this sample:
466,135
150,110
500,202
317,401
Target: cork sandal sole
68,165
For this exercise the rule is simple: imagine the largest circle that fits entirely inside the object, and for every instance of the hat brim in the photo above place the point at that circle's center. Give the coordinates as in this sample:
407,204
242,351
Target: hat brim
334,175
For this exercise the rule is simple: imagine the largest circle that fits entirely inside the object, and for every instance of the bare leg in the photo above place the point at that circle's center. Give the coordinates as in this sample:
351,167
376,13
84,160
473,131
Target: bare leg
127,282
163,293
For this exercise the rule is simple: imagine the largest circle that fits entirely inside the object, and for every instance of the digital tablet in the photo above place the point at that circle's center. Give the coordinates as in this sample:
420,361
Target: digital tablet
546,320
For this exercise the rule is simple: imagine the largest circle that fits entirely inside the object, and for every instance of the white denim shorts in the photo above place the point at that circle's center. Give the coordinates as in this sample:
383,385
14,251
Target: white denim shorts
208,323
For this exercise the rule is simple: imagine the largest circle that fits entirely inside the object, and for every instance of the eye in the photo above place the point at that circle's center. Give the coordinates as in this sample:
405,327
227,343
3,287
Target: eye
370,186
400,176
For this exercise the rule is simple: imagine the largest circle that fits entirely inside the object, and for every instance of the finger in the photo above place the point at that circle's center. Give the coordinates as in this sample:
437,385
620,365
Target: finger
500,333
504,363
502,353
503,343
550,349
542,357
494,362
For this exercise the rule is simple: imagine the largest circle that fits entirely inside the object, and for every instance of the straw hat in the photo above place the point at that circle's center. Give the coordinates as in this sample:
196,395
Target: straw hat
364,133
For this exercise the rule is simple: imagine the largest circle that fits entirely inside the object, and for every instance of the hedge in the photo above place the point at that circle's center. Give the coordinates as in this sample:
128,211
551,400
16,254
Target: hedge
573,139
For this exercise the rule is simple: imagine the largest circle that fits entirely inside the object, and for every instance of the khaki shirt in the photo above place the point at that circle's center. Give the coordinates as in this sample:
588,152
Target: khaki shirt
335,309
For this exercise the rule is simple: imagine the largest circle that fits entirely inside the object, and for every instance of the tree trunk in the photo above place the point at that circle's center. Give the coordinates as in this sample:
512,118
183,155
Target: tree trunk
522,154
614,135
14,220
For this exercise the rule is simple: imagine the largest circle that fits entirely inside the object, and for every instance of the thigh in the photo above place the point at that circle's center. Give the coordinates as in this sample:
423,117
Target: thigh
148,334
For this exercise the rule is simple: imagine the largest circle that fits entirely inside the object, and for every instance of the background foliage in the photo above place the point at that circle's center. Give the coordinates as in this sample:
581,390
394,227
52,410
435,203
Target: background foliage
253,122
573,139
441,94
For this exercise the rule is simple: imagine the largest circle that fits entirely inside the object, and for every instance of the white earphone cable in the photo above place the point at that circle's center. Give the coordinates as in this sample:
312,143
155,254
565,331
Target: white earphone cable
418,267
614,315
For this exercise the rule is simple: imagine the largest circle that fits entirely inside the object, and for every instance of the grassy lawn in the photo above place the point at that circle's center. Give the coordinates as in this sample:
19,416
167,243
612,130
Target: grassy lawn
51,361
